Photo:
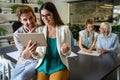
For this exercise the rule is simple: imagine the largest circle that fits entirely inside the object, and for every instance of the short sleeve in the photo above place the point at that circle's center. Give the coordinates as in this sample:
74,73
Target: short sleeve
81,33
96,34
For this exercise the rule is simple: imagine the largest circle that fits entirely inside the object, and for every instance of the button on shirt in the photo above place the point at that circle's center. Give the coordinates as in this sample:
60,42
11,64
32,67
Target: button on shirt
110,43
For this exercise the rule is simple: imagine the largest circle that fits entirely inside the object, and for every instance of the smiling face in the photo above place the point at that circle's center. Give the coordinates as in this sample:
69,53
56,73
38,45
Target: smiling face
28,20
47,17
89,27
104,27
101,29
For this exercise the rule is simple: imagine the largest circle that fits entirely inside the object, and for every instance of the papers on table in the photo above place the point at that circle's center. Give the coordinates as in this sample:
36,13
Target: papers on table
94,53
72,54
15,55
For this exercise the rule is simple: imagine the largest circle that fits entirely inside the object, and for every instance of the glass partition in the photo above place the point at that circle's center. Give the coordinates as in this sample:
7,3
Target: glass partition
99,11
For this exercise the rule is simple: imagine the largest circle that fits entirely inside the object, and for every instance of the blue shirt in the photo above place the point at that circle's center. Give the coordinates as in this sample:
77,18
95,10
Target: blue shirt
110,43
52,61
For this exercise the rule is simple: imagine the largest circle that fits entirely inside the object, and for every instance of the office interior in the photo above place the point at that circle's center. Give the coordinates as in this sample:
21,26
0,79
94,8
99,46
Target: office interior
73,14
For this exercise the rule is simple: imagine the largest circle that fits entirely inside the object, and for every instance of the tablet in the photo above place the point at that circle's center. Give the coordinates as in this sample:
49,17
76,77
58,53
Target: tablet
38,37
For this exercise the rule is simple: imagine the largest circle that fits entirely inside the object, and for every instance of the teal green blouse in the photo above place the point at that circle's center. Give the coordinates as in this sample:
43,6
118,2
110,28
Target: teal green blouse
52,61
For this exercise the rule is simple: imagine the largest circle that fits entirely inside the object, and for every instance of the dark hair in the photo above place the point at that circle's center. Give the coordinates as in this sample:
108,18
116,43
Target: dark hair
16,25
24,9
51,7
89,21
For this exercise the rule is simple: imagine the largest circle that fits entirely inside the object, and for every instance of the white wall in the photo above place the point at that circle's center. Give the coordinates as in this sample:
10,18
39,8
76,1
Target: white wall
63,9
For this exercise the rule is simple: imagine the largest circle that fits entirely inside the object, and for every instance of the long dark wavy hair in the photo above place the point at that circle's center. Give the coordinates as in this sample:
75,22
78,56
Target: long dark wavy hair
51,7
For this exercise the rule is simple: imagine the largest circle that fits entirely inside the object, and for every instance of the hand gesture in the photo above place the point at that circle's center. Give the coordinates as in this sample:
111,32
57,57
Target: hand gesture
32,30
65,48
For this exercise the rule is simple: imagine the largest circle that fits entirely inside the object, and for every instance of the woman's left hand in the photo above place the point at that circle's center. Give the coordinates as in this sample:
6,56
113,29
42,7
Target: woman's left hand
89,51
65,48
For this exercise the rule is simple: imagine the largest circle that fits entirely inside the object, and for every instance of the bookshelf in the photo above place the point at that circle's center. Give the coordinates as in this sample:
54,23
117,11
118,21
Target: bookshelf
7,18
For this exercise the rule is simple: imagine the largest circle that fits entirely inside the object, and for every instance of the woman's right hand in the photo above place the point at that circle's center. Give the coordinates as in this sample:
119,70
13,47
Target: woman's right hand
30,49
86,50
83,49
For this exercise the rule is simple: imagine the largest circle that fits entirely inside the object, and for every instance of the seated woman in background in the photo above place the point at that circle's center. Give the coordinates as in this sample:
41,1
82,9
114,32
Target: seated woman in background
88,37
106,41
